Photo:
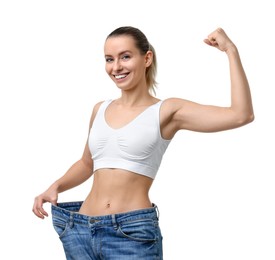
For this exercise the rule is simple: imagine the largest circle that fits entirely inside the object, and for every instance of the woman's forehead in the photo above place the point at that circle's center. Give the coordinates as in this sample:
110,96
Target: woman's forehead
119,44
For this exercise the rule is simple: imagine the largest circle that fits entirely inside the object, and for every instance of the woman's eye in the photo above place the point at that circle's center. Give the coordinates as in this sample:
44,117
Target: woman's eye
126,57
108,59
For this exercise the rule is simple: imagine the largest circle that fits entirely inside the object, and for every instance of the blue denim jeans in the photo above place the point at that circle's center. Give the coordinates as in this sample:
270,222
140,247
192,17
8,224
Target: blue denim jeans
133,235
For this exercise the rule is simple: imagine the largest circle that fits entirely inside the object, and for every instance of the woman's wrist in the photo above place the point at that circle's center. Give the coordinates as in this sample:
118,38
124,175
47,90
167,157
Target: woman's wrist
55,187
232,50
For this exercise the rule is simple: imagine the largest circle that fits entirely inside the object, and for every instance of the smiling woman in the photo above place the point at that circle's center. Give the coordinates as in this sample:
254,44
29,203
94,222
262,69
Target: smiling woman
127,140
138,46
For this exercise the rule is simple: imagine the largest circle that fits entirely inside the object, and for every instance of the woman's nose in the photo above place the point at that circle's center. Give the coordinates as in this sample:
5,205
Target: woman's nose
117,65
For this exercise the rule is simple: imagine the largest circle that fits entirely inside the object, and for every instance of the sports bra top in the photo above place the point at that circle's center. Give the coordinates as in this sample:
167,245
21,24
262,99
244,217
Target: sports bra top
137,147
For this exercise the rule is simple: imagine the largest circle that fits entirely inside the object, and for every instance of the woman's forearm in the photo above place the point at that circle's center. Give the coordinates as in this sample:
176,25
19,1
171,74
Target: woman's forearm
78,173
241,101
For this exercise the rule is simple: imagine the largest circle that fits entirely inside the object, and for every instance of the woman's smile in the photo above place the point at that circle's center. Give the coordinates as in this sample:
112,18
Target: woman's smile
121,76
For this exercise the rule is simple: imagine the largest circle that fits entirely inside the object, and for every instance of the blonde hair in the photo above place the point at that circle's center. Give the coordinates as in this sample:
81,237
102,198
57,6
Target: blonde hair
144,46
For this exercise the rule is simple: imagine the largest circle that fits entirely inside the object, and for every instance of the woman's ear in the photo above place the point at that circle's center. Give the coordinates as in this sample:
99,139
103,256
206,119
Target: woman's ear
148,58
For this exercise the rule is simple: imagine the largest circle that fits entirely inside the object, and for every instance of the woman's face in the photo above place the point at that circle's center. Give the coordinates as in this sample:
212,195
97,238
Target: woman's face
125,65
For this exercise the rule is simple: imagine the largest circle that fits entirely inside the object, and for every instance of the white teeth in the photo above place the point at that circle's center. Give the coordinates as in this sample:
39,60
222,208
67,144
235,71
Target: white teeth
120,76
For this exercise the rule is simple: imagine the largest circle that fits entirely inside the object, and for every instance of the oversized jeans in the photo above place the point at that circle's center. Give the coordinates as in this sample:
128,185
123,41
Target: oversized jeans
133,235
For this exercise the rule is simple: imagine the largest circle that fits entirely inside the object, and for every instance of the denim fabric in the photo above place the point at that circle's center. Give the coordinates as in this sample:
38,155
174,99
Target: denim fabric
132,235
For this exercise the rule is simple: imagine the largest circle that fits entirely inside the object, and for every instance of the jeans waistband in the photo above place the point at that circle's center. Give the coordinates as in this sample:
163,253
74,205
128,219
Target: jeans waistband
69,212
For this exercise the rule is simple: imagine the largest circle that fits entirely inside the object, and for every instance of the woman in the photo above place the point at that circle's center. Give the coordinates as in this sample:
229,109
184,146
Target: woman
127,139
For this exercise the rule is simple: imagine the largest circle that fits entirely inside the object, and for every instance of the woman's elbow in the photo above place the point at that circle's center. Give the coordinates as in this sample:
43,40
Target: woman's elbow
246,119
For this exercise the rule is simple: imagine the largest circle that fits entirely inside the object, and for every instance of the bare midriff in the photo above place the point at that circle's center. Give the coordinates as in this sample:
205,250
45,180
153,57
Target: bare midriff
117,191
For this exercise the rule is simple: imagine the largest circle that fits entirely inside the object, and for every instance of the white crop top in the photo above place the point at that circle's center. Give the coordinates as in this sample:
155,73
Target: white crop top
137,147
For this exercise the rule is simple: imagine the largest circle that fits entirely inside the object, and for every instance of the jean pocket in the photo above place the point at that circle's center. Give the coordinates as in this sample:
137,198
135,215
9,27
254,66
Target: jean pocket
145,230
60,225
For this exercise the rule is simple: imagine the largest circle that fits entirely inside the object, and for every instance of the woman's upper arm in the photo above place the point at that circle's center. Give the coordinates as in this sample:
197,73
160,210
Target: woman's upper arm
201,118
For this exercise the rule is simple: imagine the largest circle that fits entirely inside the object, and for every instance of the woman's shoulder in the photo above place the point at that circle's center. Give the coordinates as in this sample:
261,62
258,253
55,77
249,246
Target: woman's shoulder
172,106
95,110
173,103
97,105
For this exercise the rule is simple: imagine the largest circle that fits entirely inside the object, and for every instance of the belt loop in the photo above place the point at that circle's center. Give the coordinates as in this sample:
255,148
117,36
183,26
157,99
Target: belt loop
157,210
71,220
114,222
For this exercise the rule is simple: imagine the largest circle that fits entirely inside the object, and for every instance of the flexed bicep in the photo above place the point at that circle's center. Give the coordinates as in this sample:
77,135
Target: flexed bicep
189,115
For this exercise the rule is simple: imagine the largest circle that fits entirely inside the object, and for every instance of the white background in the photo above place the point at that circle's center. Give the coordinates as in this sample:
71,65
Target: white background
215,191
